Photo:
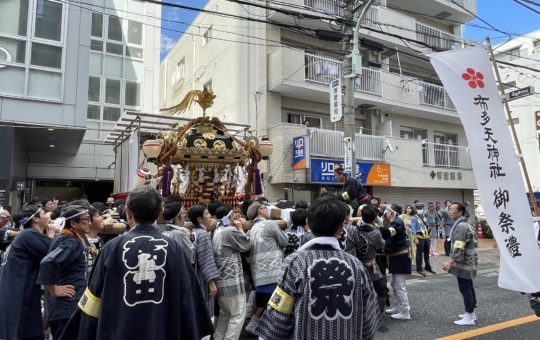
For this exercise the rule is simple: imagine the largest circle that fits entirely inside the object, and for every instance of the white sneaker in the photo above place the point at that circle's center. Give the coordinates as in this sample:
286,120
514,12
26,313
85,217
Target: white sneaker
461,316
394,310
437,254
402,316
250,328
468,320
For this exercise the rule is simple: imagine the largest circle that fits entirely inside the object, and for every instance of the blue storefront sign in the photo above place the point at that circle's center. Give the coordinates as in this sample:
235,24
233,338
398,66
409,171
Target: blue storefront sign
322,171
300,154
536,196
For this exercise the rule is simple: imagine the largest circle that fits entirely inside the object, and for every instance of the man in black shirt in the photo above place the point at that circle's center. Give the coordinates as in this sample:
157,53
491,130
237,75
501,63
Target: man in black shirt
353,193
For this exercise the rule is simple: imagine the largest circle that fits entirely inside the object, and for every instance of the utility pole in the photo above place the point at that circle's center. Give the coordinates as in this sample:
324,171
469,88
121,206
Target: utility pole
352,68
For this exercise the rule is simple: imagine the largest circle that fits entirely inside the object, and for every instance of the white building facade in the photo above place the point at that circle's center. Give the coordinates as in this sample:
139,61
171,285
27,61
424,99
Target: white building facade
66,71
275,78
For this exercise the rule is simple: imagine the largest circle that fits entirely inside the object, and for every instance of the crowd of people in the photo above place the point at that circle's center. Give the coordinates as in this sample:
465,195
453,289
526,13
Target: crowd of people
323,274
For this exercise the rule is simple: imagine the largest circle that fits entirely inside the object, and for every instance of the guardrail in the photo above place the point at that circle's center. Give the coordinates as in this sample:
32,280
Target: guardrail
332,7
436,95
178,75
436,37
321,69
370,81
446,156
329,143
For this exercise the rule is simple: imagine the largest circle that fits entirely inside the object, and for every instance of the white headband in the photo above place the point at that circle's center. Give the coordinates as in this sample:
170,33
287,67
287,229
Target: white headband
225,220
26,219
175,217
60,222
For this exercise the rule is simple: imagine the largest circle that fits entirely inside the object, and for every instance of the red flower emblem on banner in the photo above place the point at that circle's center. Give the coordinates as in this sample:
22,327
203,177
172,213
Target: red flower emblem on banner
474,78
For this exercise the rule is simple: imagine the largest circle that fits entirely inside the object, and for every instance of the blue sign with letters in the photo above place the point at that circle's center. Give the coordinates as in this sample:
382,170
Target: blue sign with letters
322,171
300,156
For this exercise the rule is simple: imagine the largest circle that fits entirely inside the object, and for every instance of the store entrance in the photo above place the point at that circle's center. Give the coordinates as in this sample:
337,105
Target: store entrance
93,191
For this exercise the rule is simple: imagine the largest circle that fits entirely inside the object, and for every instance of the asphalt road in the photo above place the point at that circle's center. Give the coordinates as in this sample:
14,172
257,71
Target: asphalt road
436,303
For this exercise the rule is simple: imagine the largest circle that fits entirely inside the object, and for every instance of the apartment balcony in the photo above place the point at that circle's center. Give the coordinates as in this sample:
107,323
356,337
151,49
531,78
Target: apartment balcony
446,156
329,143
306,76
458,10
328,9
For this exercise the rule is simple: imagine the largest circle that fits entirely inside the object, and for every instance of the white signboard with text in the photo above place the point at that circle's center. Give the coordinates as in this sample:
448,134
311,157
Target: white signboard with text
468,78
336,111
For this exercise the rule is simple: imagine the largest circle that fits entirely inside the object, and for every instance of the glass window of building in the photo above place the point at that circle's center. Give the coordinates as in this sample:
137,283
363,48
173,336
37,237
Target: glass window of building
114,31
445,138
16,22
15,50
94,89
111,113
31,42
97,25
116,62
112,91
135,33
133,94
46,56
412,133
48,20
93,112
208,85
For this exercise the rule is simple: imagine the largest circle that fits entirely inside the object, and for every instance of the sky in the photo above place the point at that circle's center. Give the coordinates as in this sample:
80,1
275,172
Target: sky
505,15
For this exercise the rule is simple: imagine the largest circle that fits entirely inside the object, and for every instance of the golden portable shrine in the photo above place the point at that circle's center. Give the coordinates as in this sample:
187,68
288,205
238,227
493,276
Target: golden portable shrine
200,160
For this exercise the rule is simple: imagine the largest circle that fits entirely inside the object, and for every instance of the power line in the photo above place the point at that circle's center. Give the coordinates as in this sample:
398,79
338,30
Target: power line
529,8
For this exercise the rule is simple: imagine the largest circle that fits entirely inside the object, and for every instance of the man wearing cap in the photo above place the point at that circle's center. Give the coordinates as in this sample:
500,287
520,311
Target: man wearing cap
433,223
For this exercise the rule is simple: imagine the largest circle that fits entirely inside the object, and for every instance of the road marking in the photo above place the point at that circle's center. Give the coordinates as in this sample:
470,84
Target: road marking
490,329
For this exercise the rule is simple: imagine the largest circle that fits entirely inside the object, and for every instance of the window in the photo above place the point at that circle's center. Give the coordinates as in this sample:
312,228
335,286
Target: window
208,85
115,29
115,48
93,89
16,50
46,56
111,113
134,52
207,36
34,55
116,63
133,94
112,92
135,33
93,112
97,25
412,133
48,20
45,85
445,138
96,45
16,22
314,122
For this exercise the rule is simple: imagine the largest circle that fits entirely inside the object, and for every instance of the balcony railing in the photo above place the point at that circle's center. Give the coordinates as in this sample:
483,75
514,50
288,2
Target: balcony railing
431,94
321,69
328,143
370,81
331,7
446,156
436,37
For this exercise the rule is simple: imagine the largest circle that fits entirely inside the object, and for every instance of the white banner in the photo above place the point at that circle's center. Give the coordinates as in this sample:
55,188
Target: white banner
126,163
468,77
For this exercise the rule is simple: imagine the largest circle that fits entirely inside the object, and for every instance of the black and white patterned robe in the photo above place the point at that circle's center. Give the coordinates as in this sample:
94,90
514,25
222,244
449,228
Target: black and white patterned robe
322,293
205,266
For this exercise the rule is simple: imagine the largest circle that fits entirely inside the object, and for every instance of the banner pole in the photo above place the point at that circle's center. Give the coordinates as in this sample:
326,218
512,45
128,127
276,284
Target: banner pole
512,127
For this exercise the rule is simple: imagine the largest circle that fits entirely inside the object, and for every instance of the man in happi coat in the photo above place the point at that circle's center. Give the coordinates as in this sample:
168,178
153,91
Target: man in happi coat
322,292
205,265
142,286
